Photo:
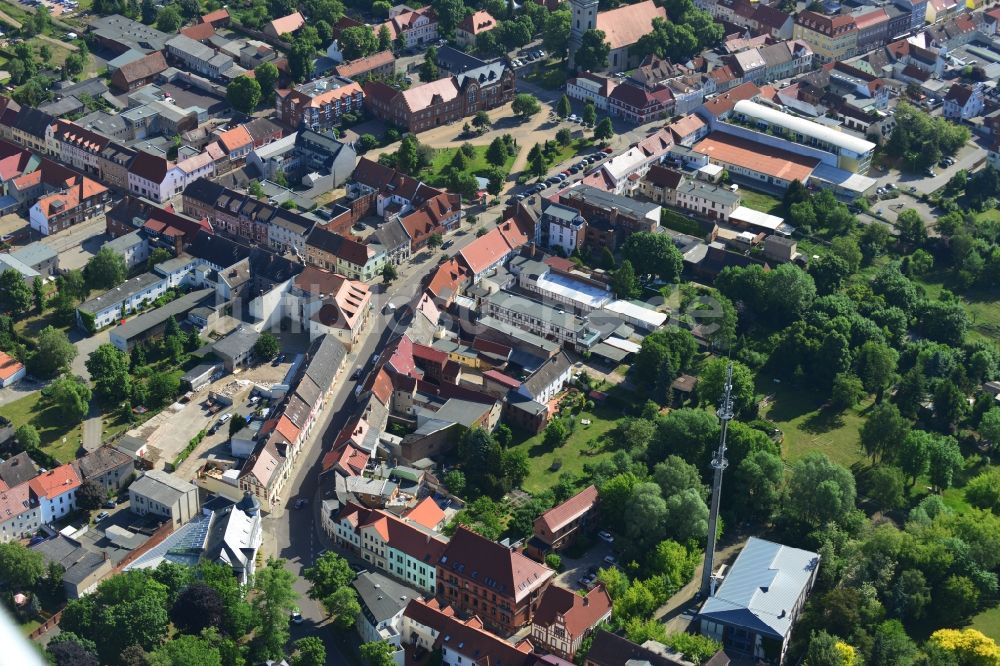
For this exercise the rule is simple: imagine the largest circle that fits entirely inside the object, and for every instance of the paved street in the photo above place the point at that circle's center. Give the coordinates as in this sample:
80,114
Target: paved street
295,535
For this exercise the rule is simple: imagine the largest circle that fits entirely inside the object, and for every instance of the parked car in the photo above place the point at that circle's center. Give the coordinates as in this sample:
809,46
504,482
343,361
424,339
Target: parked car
587,581
606,536
300,502
607,151
573,118
610,560
296,616
110,504
356,375
101,516
448,243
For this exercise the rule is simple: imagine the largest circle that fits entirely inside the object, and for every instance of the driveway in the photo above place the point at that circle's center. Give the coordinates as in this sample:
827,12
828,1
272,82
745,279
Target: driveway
590,562
84,346
969,157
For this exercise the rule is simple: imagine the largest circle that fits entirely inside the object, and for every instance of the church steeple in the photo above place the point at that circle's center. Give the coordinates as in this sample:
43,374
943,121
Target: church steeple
584,18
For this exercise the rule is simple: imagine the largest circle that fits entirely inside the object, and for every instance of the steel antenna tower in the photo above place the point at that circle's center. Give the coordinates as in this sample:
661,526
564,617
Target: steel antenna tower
719,464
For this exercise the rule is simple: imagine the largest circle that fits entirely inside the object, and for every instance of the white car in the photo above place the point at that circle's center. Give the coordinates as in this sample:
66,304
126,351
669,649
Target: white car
606,536
573,118
296,616
610,560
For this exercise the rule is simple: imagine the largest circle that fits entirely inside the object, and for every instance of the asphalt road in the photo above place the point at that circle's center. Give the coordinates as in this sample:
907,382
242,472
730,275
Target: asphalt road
295,535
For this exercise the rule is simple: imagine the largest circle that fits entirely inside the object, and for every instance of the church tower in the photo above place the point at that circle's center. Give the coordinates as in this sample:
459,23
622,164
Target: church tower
584,18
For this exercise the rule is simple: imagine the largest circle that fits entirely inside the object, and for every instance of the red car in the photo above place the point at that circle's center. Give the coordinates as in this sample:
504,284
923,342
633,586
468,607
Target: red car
607,150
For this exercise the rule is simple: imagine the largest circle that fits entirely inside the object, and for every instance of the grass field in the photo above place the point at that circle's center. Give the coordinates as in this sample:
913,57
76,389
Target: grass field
574,454
434,174
551,75
988,622
991,215
52,427
808,426
982,306
765,203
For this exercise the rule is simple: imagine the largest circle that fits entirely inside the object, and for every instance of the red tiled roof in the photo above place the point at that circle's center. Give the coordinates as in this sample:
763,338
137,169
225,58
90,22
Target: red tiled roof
625,25
447,280
484,252
959,94
426,513
9,366
468,638
287,24
577,505
501,378
217,15
55,482
579,613
199,31
513,574
235,138
144,67
725,102
366,64
477,22
149,167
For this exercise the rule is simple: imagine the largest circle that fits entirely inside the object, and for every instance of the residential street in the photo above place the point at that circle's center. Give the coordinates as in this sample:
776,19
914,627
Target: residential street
296,535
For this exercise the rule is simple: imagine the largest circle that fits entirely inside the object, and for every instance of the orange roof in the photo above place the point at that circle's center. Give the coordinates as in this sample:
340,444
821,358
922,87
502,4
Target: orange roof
483,253
287,24
562,514
55,482
335,94
29,179
287,429
9,366
217,15
420,97
426,513
199,31
579,614
727,101
447,279
235,138
77,193
477,22
513,233
756,157
625,25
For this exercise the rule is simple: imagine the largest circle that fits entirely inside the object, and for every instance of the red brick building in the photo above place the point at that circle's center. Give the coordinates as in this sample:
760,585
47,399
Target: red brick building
443,101
480,577
559,526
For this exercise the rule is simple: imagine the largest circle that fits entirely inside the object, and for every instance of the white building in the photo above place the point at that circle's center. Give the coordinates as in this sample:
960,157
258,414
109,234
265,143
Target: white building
587,87
114,304
56,492
383,601
165,495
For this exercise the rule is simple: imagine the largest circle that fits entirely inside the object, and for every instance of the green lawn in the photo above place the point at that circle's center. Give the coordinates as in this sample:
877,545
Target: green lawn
808,426
765,203
581,448
30,626
991,215
569,151
982,306
988,622
550,75
434,174
59,439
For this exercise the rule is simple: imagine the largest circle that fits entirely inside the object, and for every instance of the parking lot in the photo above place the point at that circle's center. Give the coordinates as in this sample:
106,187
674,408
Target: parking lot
96,539
170,431
592,560
566,176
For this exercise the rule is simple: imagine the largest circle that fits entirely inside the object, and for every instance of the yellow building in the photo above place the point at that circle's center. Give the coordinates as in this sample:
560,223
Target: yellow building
830,37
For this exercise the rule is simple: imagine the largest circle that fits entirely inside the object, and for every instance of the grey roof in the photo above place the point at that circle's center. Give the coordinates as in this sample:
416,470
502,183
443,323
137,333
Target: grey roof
131,33
392,234
518,334
123,243
189,47
514,303
77,560
17,469
161,487
714,193
129,56
326,355
236,343
93,86
63,107
175,308
382,597
545,375
9,262
463,412
611,201
455,61
120,293
762,589
129,444
484,75
561,212
104,123
101,460
34,254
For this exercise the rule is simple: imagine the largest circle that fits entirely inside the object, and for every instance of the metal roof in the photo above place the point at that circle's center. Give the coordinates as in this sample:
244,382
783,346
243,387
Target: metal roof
763,587
803,126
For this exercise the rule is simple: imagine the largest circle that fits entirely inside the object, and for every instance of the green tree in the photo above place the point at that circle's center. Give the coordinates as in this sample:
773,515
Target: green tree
20,567
712,380
564,108
53,353
244,94
911,228
342,605
687,516
824,651
555,32
589,115
70,396
536,161
105,270
624,283
847,390
454,481
301,58
694,647
556,434
91,495
759,479
564,137
407,157
169,20
989,425
945,458
847,249
389,273
272,602
197,607
481,121
266,347
819,491
525,105
27,437
435,241
309,651
429,67
653,255
68,649
163,387
38,294
184,650
876,366
358,42
157,256
266,75
883,432
957,599
384,38
109,370
789,292
377,653
592,54
328,574
15,292
604,130
886,487
914,453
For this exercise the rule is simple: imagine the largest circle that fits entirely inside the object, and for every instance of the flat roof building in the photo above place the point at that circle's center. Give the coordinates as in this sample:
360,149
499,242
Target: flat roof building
165,495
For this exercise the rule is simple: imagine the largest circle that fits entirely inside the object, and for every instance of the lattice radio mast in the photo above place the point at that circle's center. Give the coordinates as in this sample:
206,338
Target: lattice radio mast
719,464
